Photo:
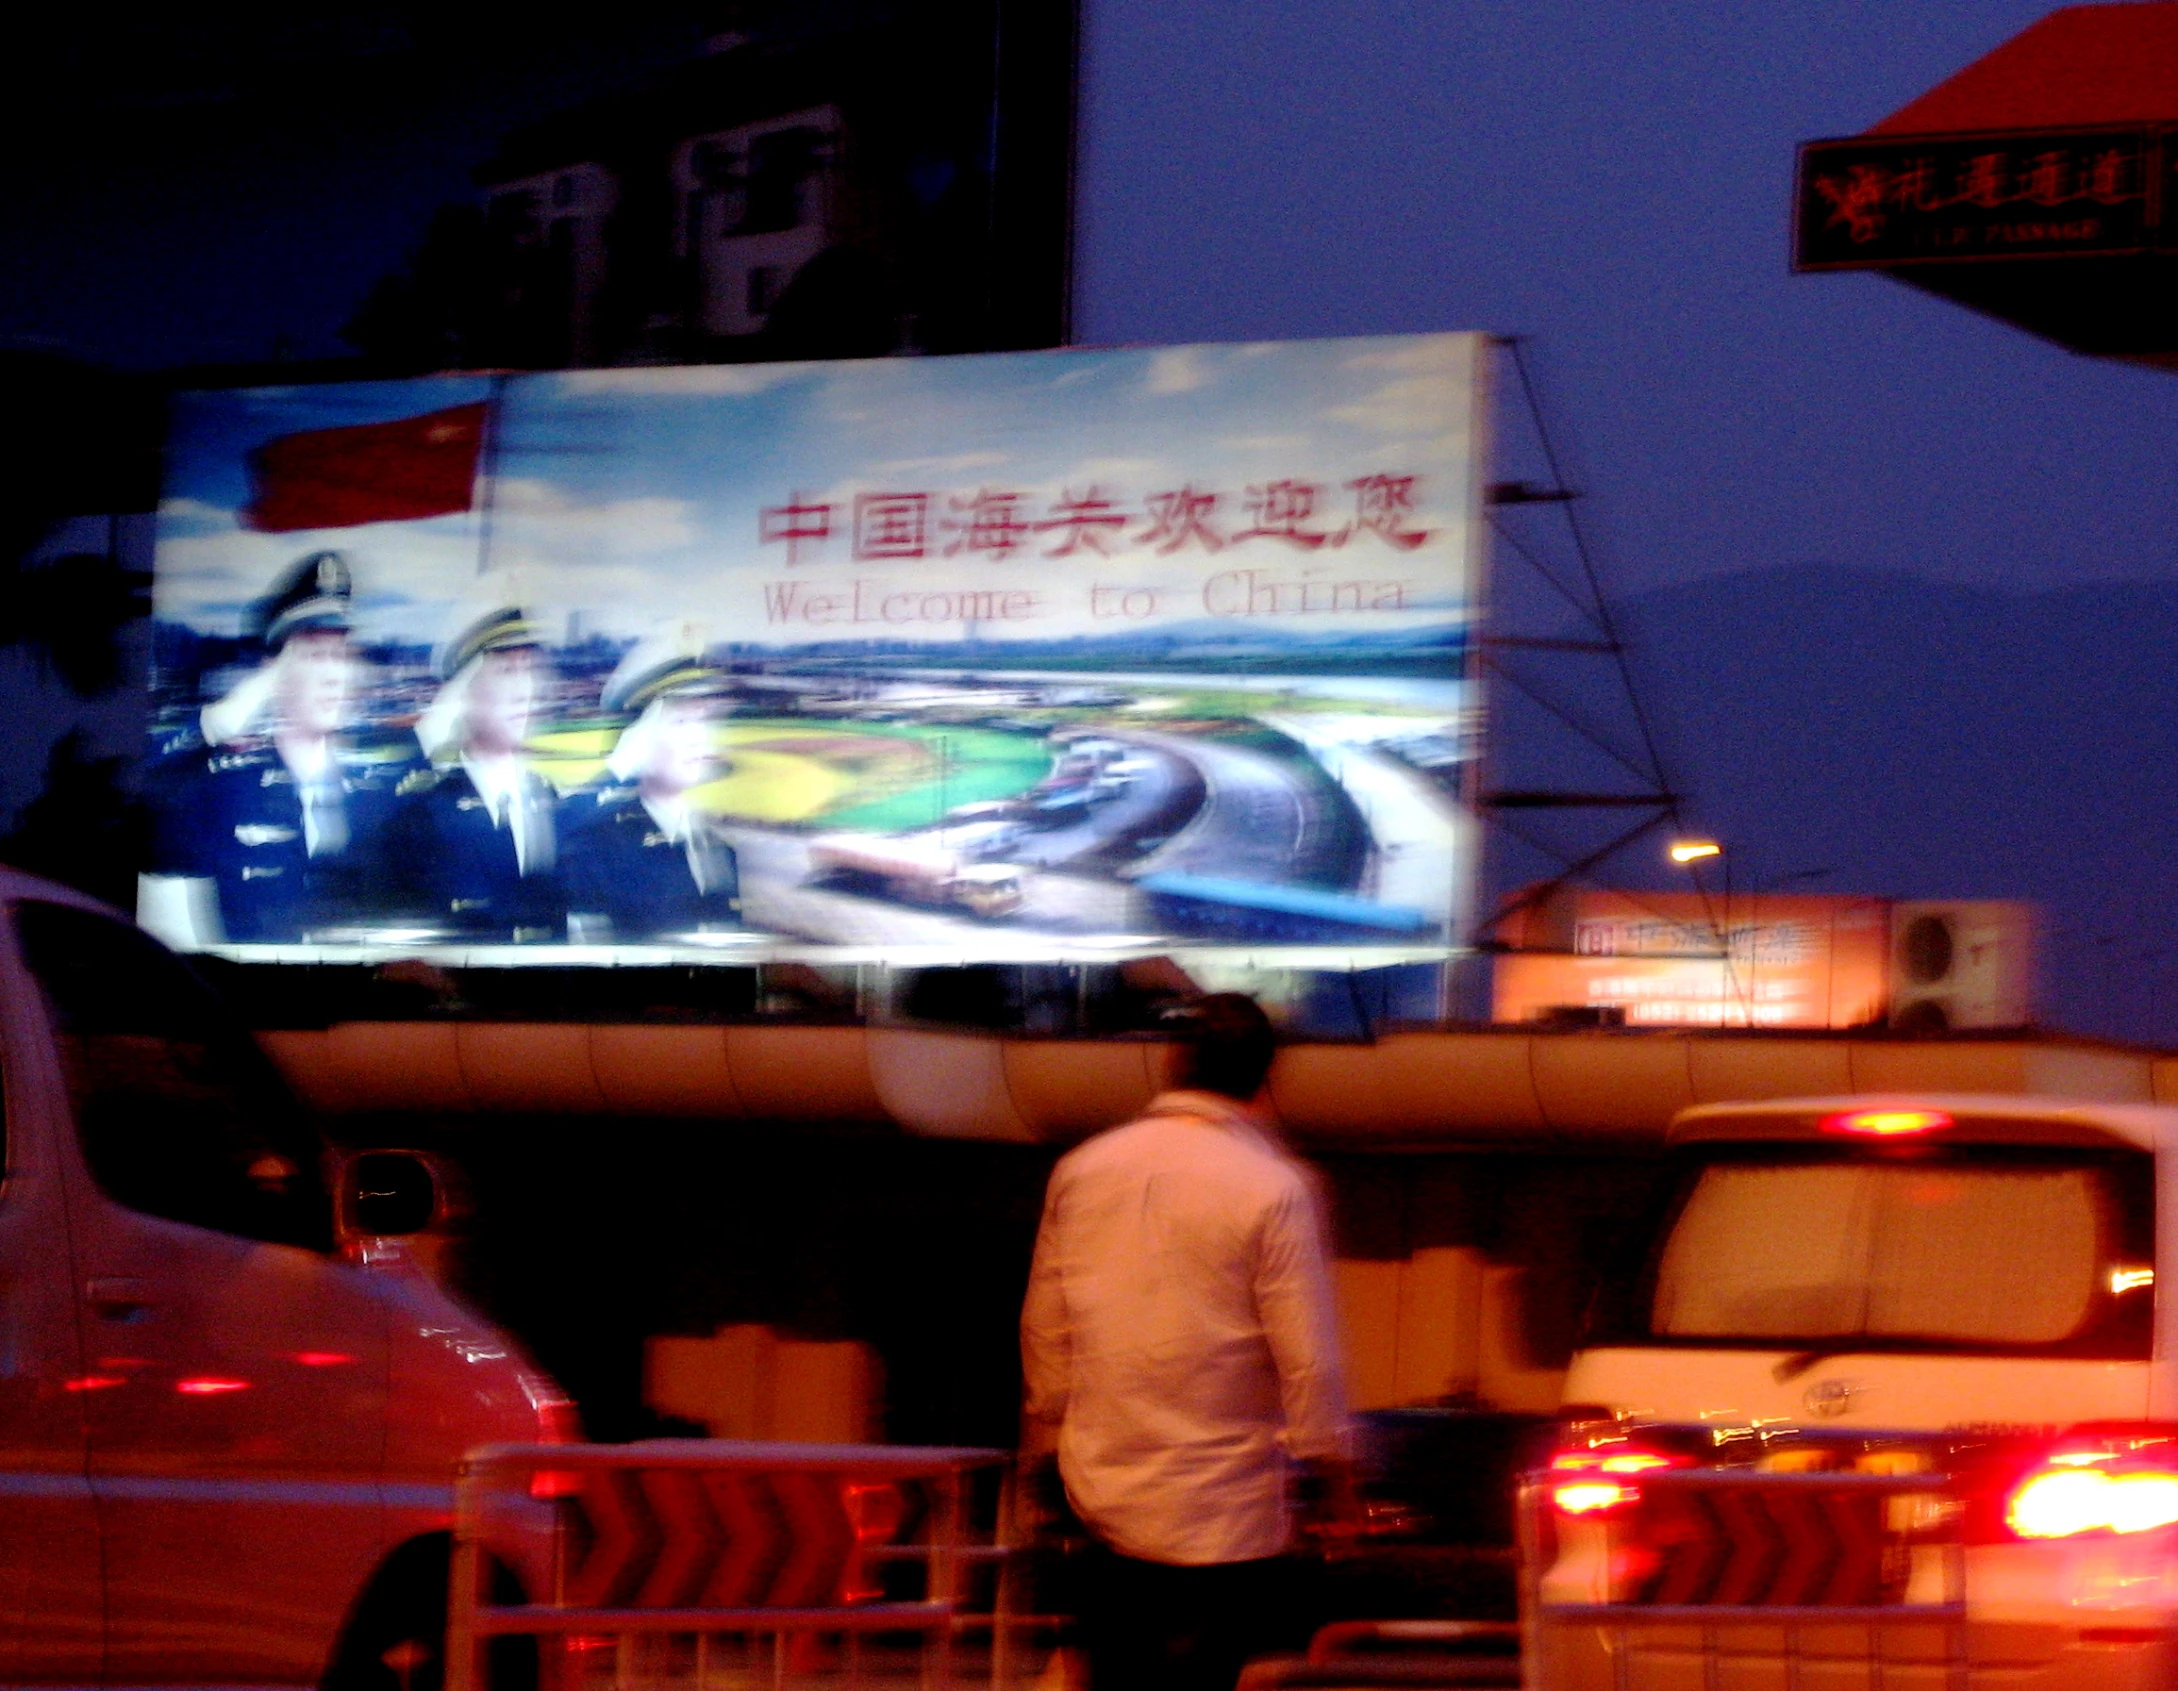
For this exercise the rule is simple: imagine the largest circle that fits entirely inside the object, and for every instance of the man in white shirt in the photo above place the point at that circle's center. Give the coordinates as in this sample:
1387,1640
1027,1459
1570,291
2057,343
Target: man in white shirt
1181,1357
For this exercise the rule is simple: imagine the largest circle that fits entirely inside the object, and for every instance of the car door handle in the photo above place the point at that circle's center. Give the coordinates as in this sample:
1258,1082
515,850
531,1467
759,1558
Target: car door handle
117,1299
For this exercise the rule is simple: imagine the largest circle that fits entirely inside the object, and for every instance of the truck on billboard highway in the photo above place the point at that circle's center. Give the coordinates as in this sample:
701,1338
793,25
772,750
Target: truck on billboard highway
920,872
233,1405
1885,1395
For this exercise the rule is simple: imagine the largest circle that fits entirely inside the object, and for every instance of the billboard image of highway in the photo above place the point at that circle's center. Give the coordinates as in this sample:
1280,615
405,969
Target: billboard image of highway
1007,657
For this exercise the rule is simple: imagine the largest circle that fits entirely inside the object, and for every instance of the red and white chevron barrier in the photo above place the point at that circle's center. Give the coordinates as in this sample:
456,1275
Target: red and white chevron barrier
711,1536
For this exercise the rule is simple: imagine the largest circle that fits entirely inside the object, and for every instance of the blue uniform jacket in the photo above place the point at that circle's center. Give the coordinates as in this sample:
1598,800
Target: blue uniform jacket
622,867
461,869
232,814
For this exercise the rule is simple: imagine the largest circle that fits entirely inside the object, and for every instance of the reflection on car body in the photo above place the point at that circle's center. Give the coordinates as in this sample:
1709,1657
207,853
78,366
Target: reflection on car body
232,1414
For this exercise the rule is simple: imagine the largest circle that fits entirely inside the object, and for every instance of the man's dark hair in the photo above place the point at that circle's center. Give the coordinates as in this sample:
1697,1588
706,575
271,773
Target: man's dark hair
1230,1044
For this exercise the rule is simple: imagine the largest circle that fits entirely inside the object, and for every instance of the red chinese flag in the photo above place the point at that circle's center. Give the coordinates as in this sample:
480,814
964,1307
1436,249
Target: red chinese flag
369,473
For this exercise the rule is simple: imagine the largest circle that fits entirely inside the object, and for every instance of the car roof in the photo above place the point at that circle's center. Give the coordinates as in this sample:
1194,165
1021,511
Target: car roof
14,884
1977,1118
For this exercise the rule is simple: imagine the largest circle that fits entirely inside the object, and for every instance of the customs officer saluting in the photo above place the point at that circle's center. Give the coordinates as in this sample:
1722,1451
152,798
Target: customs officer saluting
474,829
643,861
266,824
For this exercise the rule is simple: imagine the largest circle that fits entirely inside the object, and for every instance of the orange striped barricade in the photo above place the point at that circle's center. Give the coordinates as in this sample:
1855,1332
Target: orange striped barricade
716,1563
1795,1578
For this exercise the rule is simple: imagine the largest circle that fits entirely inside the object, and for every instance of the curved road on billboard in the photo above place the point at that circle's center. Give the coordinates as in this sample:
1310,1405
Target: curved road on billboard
1238,813
778,896
1160,798
1260,819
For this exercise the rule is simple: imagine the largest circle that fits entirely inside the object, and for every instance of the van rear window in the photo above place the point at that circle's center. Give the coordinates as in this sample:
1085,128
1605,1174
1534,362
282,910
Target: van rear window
1958,1248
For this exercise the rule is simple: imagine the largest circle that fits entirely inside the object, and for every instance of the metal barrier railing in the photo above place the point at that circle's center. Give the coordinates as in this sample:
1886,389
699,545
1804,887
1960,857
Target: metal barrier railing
1923,1582
690,1541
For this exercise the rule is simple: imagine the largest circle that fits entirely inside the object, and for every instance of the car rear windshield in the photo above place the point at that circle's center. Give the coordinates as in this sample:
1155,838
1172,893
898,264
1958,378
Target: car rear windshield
1955,1248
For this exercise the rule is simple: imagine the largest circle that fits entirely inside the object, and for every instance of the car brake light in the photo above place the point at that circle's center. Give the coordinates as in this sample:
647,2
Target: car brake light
2080,1492
1885,1124
558,1422
1592,1497
1594,1479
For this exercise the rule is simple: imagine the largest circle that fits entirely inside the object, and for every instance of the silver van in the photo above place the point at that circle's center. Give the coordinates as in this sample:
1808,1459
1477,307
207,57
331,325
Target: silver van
230,1404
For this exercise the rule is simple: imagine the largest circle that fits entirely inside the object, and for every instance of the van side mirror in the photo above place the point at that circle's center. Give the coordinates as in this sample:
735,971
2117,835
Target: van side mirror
389,1194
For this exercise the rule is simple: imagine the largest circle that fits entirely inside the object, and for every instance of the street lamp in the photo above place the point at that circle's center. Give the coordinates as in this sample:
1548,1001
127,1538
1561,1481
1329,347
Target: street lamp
1687,854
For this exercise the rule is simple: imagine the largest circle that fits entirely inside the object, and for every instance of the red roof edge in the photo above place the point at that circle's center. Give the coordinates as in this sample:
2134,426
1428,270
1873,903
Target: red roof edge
2082,66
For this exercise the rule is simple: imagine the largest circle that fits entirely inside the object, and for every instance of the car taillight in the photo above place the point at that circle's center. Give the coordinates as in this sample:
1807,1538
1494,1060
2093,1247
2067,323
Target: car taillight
558,1422
1595,1479
2083,1491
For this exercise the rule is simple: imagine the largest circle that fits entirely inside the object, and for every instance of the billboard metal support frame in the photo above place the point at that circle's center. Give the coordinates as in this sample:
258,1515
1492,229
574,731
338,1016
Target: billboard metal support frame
1658,795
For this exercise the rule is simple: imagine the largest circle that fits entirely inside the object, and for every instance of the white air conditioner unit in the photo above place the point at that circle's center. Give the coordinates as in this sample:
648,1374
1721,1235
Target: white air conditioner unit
1961,963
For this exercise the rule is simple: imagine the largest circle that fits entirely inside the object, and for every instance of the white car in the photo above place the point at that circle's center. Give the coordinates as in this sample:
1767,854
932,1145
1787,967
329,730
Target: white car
1886,1397
980,839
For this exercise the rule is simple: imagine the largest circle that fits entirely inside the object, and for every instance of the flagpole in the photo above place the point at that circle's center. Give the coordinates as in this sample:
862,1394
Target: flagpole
493,400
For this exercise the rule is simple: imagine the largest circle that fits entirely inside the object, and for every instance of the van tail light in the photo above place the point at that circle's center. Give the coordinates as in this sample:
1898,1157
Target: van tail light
1599,1478
558,1422
1885,1124
2125,1487
209,1385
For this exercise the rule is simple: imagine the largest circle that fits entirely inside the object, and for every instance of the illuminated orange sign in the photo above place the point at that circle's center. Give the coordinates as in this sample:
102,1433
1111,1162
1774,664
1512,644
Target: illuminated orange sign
1677,960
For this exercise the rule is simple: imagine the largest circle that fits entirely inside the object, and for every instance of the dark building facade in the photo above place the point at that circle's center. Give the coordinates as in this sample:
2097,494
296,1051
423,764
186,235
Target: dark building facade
853,181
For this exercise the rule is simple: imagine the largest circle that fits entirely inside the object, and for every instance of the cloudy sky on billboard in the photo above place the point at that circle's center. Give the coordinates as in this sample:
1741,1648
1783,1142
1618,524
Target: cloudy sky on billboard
630,495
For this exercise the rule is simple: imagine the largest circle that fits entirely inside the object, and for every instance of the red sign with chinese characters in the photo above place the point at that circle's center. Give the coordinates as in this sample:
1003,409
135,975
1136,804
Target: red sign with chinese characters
1879,201
999,523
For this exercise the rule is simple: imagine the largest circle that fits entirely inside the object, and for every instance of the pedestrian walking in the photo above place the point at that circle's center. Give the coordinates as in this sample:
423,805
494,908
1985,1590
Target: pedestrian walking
1182,1364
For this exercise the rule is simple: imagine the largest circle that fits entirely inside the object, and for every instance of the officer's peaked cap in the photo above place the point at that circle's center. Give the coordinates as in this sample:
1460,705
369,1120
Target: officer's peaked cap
683,678
311,597
661,669
504,630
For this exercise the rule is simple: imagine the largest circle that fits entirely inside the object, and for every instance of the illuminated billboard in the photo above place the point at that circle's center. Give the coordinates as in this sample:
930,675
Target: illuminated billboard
1768,960
1011,657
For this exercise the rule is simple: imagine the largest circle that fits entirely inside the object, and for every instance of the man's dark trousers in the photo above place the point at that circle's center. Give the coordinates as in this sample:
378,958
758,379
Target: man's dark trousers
1153,1626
